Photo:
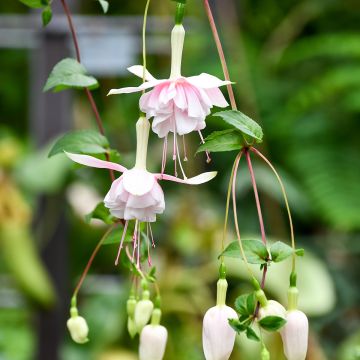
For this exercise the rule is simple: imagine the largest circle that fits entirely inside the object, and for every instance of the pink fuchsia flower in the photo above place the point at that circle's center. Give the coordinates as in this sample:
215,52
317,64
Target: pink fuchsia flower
295,335
178,104
218,336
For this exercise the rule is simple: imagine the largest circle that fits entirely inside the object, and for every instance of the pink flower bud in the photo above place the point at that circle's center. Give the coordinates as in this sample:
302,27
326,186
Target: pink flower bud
153,340
218,336
295,335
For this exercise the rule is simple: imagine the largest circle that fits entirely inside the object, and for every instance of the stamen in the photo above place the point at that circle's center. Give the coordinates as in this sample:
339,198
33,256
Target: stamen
164,155
184,144
178,155
138,247
134,241
121,243
208,158
174,151
152,238
148,244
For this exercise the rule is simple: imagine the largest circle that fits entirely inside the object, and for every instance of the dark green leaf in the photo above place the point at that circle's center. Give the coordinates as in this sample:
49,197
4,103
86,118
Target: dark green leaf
226,140
280,251
46,15
255,251
300,252
251,131
250,303
180,1
102,213
272,323
237,325
251,334
69,73
241,305
36,4
81,142
104,5
115,237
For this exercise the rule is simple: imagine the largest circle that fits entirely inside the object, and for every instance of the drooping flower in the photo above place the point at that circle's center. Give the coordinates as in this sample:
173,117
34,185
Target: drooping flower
78,327
178,104
143,311
218,336
294,335
136,194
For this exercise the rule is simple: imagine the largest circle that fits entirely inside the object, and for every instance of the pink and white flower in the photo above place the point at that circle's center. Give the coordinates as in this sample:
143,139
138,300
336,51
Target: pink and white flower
178,104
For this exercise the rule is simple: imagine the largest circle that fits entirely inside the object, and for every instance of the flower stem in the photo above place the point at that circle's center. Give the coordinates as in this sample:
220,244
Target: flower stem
92,257
257,152
87,91
144,40
221,53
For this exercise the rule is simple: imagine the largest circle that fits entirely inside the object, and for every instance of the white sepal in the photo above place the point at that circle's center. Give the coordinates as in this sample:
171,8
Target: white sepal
153,340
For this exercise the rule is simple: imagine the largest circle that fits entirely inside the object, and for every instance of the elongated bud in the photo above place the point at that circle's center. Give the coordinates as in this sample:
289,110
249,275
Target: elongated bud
143,311
142,137
177,45
272,308
130,306
77,327
265,355
153,340
218,336
131,327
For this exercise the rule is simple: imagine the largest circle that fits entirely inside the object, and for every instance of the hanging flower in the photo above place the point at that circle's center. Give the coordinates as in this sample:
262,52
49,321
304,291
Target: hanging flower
143,311
137,195
153,339
218,336
178,104
295,335
272,308
78,327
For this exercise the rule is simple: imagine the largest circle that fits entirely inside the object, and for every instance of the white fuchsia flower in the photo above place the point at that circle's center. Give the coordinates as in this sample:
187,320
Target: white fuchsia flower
178,104
218,336
136,194
294,335
78,327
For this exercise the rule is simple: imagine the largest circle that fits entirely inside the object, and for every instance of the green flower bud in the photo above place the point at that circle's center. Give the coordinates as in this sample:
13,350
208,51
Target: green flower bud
131,327
130,306
265,355
143,311
77,327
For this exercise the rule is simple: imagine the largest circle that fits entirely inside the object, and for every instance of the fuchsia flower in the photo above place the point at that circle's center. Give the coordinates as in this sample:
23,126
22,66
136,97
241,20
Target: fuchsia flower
178,104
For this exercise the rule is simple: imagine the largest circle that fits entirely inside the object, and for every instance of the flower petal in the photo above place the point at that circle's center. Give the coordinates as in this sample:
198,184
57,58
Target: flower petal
138,70
196,180
131,89
206,81
216,97
94,162
138,182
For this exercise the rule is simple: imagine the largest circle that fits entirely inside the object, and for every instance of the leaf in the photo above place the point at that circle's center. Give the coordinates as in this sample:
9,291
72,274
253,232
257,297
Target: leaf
101,213
272,323
250,303
280,251
35,4
151,277
115,237
251,334
237,325
300,252
104,5
255,251
245,304
69,73
225,140
46,15
81,142
251,131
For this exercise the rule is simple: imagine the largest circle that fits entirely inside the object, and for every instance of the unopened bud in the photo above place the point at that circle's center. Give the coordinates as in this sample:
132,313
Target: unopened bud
78,327
265,355
130,306
131,327
143,311
272,308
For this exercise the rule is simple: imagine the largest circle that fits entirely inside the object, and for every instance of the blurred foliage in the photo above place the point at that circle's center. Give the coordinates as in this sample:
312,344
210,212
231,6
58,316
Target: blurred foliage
296,68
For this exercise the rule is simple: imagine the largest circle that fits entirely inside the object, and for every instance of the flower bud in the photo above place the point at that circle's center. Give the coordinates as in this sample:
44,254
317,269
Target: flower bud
265,355
130,306
218,336
272,308
78,327
153,340
131,327
295,335
143,311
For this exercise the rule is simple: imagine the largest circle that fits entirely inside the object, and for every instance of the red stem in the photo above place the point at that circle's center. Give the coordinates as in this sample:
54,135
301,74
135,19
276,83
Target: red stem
221,53
87,91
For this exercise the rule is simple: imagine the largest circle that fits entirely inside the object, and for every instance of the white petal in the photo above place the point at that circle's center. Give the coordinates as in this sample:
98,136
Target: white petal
138,182
138,70
199,179
217,98
127,90
206,81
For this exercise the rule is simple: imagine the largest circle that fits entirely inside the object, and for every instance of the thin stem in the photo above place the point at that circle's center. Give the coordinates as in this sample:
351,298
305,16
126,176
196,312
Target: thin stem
237,160
87,91
144,40
292,234
221,53
256,194
92,257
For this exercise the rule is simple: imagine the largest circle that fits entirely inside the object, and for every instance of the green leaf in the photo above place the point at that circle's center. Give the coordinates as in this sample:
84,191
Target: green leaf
104,5
251,131
300,252
280,251
101,213
35,4
81,142
251,334
151,277
115,237
255,251
245,304
69,73
180,1
226,140
250,303
272,323
237,325
46,15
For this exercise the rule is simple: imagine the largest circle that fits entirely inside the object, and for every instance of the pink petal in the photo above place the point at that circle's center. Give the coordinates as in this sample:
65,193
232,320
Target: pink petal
184,123
138,70
206,81
196,180
127,90
94,162
217,98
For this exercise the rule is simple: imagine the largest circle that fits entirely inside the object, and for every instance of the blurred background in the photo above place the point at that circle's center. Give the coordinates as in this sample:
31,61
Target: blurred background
296,65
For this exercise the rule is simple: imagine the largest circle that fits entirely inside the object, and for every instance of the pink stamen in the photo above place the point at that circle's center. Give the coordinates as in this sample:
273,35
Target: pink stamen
208,158
152,238
138,247
134,241
164,155
148,244
121,243
184,144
